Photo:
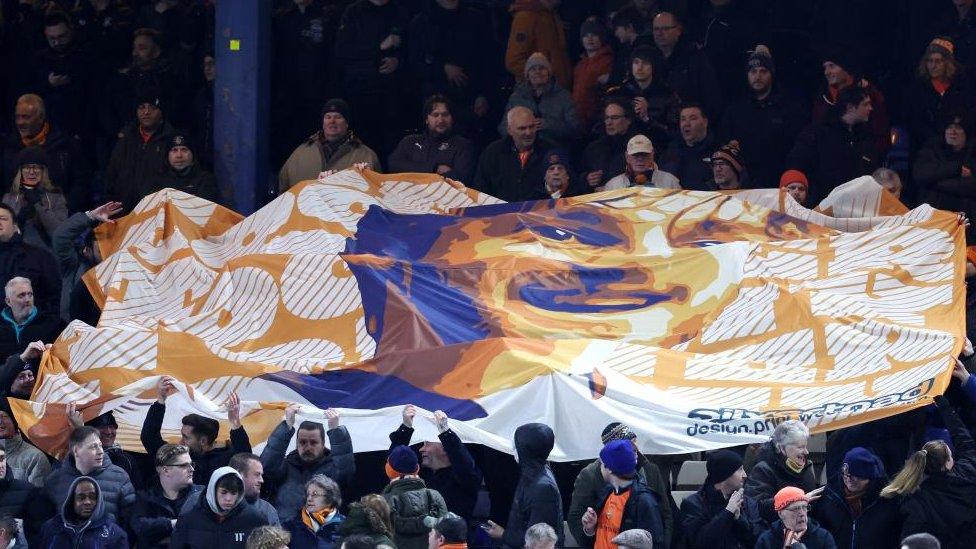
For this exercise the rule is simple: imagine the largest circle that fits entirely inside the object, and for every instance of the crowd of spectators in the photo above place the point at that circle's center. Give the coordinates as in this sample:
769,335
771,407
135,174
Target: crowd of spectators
106,101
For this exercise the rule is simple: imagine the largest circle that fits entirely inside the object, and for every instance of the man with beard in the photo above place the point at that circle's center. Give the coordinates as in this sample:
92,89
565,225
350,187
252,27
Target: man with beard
21,321
185,174
765,122
310,457
439,150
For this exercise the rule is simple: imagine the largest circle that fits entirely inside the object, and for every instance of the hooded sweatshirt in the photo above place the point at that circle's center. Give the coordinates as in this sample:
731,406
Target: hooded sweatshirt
208,526
537,496
69,530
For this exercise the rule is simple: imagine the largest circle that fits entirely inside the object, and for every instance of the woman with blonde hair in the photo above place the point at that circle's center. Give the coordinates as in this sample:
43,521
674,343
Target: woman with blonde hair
370,516
39,205
938,486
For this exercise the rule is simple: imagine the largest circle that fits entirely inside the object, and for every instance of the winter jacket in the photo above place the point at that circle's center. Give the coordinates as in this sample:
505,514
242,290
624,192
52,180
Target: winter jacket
152,515
607,154
500,174
926,108
642,511
587,89
260,505
423,152
830,153
878,124
537,496
459,483
67,531
195,180
589,490
357,523
18,258
729,33
71,264
560,123
289,473
439,37
659,179
206,528
302,537
135,165
67,166
363,26
878,525
938,177
306,161
691,165
690,74
70,103
41,325
114,483
39,213
537,28
945,503
765,129
770,474
204,464
14,494
707,524
663,107
25,462
814,538
410,503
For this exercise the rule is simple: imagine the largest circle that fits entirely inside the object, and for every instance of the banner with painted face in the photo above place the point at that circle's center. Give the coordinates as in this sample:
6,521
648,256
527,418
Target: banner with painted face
699,319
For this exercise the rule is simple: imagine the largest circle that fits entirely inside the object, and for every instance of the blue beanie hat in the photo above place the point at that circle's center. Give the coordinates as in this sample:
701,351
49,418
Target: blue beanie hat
619,456
861,463
403,460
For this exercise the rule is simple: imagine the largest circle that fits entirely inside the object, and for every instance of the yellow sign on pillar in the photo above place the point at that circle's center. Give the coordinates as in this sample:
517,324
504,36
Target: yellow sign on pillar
235,45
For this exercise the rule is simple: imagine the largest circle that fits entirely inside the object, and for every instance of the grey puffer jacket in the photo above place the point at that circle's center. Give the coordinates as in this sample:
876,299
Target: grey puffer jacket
560,123
290,473
113,481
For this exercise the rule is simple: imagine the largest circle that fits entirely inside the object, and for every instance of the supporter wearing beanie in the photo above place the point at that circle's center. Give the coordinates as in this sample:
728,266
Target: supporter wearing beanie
411,502
626,504
720,514
795,182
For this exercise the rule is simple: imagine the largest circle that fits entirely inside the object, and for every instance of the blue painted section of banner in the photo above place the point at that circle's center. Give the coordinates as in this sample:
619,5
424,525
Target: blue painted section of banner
242,96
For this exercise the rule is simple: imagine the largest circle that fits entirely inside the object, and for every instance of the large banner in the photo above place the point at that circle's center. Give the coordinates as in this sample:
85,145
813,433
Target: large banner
700,319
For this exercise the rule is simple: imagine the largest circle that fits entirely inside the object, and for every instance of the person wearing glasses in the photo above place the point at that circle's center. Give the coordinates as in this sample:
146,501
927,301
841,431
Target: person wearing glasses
851,508
317,526
603,159
795,525
157,507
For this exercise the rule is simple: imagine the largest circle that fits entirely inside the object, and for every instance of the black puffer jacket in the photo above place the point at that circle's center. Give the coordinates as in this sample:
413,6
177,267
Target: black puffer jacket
113,483
423,152
708,524
136,165
945,503
153,514
195,180
45,326
878,526
501,175
770,474
14,495
205,528
606,154
537,496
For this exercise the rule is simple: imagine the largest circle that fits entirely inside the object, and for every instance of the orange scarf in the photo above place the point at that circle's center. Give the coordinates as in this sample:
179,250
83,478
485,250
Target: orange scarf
461,545
393,474
38,139
940,86
315,520
146,136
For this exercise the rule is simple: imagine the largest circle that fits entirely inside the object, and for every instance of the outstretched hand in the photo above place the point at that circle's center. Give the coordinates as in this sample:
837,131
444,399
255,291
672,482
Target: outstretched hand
104,212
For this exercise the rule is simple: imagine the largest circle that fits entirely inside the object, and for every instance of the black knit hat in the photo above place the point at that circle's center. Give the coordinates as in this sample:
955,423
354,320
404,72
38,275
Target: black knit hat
720,465
592,25
152,98
105,420
179,140
846,56
337,105
31,155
